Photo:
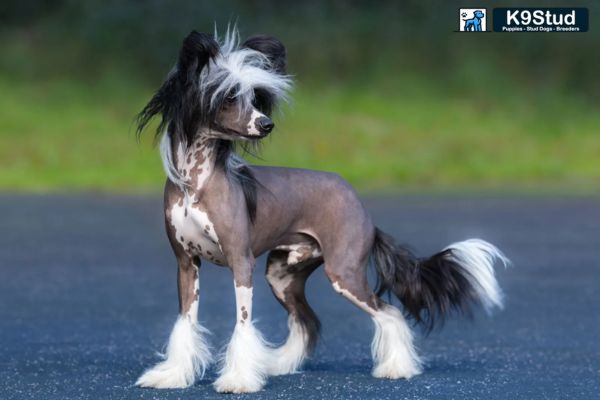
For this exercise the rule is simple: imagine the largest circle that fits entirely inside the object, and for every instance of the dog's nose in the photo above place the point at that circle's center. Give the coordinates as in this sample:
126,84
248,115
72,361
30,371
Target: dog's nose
265,125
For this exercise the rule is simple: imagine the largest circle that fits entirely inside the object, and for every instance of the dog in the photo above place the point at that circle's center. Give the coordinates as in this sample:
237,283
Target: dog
220,209
474,24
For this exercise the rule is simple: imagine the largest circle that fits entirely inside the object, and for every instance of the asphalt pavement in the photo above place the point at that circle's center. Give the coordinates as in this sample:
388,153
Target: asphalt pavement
88,295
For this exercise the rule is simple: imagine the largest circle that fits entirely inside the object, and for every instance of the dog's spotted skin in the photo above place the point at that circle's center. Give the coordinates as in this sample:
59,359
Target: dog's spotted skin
187,217
300,252
222,210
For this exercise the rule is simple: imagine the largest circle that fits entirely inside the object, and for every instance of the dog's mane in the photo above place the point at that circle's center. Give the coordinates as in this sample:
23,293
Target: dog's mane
191,97
243,72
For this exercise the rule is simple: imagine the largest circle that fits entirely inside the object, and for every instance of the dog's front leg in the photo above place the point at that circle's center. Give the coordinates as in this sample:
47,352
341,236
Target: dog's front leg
245,361
187,353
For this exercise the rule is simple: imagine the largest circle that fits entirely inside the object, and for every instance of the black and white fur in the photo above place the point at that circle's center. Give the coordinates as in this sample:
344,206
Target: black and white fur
222,210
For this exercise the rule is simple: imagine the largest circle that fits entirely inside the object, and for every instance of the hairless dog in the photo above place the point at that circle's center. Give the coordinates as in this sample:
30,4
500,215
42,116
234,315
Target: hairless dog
220,209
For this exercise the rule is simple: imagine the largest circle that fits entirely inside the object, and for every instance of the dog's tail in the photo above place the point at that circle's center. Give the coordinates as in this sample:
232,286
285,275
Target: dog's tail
431,288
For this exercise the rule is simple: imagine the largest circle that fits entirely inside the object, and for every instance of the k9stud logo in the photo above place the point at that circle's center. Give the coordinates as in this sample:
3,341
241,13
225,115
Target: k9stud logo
472,20
540,19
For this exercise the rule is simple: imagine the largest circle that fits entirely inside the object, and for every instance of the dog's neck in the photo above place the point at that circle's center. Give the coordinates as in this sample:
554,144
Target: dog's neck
196,163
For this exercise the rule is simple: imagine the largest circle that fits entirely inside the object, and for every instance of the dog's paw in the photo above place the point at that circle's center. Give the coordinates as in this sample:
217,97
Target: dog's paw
166,376
231,383
390,371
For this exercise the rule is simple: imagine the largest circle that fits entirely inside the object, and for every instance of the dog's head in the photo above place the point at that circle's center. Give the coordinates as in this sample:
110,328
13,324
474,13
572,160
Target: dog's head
478,14
221,89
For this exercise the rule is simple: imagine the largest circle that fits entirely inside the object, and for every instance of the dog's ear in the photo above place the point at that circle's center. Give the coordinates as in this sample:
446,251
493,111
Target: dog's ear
272,48
196,52
175,100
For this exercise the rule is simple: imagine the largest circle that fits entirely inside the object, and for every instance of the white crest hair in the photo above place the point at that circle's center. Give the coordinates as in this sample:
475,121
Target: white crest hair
234,71
238,71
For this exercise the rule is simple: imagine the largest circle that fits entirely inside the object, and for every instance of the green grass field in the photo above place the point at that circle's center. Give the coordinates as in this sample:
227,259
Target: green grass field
404,134
389,97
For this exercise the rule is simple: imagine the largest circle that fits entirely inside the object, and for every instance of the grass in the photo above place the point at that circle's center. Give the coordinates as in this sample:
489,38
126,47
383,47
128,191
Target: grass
64,134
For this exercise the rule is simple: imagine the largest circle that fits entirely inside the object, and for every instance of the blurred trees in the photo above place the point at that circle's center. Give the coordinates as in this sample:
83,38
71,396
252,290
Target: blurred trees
354,41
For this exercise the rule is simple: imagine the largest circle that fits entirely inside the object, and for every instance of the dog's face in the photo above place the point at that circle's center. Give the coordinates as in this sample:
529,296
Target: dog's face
221,90
478,14
234,120
252,78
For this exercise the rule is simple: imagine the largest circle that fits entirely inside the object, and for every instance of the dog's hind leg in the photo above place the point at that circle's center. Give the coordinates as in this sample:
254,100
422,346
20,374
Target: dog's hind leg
287,274
187,353
393,351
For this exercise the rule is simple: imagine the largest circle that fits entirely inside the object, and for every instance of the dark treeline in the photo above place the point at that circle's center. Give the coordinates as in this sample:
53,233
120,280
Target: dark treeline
356,41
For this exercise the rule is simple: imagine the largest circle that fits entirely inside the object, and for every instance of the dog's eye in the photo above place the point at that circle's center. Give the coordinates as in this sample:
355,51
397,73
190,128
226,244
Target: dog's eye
262,101
230,98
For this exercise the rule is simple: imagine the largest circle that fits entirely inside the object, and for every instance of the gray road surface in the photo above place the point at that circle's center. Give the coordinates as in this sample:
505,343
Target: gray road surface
88,294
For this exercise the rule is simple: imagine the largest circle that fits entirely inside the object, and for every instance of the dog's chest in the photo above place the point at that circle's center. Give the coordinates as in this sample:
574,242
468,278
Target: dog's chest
196,233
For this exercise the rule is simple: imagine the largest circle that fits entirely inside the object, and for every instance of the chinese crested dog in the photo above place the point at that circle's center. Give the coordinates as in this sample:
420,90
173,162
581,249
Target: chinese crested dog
220,209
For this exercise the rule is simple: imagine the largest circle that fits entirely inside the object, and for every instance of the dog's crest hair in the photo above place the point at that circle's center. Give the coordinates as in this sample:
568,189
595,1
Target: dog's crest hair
209,70
245,71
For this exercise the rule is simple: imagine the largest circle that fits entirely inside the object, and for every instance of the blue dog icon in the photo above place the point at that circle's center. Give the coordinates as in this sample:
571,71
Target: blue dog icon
474,24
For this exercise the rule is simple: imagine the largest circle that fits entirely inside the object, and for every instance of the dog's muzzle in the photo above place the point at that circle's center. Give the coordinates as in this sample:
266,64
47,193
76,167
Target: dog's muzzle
265,125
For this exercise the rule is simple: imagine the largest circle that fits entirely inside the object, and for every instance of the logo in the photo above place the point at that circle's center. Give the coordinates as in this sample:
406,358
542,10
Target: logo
472,20
541,19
